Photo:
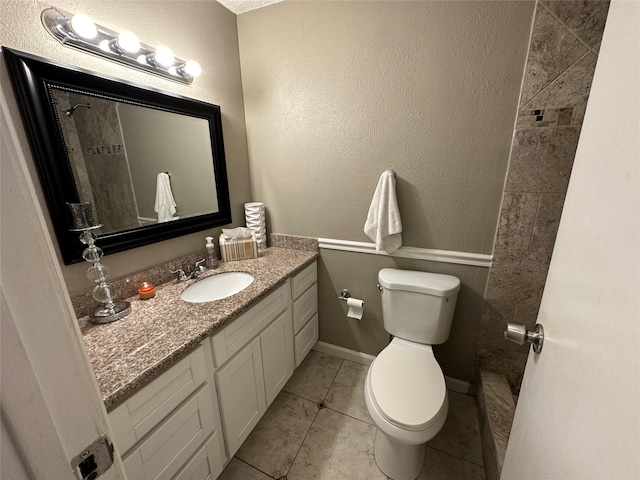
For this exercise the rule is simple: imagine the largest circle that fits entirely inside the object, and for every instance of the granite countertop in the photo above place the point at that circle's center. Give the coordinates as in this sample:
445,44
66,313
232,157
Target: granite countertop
129,353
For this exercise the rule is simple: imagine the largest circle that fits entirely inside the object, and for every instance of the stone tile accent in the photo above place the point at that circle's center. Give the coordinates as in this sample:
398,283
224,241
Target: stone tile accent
541,160
275,441
585,18
552,50
518,277
493,322
496,410
527,315
570,89
504,362
547,222
562,56
517,219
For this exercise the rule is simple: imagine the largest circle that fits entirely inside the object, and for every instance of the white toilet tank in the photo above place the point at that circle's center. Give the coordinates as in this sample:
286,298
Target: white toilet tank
418,306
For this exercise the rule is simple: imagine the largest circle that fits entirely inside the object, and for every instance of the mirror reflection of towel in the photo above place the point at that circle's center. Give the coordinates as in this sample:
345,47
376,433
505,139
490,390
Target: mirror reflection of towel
165,205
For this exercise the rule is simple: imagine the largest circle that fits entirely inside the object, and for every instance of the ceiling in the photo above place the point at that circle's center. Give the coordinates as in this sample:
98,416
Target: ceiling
241,6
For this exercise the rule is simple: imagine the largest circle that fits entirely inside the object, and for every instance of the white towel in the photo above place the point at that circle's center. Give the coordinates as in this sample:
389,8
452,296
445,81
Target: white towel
165,205
383,224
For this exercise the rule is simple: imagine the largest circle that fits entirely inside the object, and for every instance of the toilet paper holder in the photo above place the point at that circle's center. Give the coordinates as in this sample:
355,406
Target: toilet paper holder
344,295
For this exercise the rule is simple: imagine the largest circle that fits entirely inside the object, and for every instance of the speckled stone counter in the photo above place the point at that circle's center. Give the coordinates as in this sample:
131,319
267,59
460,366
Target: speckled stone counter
129,353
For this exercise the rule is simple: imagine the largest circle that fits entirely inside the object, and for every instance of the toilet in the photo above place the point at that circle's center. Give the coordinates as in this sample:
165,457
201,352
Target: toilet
405,391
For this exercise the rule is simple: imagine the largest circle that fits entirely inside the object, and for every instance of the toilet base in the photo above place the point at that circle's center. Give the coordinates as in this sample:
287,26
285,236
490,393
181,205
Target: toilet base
398,461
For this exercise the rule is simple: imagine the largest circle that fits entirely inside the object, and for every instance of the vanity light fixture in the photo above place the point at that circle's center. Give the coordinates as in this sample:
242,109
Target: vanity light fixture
79,31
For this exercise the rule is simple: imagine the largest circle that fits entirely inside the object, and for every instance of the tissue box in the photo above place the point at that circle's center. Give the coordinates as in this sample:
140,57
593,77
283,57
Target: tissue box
231,250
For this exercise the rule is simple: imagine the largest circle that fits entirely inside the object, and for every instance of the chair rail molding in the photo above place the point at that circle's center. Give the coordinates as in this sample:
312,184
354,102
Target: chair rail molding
428,254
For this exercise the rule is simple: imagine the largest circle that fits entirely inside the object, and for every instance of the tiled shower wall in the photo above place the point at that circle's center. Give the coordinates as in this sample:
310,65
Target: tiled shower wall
562,56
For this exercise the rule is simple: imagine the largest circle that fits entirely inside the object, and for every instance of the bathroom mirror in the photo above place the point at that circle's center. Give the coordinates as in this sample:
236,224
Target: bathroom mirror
124,147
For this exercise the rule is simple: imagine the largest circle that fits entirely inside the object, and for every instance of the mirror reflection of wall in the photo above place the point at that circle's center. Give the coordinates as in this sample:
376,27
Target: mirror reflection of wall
99,162
117,149
158,141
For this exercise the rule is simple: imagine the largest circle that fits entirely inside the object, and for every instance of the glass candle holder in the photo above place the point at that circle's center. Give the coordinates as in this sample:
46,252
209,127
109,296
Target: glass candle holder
103,292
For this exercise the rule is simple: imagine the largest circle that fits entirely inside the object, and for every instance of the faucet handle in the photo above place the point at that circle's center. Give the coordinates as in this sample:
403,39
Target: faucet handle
181,275
198,269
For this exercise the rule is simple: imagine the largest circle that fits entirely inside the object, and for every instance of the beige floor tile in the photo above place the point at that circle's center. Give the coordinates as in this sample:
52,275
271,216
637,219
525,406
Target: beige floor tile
237,470
314,376
337,447
274,443
441,466
460,435
346,395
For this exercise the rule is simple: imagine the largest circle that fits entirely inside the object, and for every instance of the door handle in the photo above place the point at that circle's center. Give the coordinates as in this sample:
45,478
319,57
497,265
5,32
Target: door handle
518,333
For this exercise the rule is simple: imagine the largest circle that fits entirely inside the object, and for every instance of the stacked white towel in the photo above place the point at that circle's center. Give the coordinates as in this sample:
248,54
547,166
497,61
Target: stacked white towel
383,224
165,205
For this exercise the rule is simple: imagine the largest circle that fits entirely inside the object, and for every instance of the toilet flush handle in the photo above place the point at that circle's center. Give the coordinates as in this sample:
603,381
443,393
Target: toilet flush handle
518,333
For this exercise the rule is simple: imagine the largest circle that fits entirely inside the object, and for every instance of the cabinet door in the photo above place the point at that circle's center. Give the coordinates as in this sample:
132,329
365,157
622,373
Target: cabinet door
136,417
241,392
168,447
277,355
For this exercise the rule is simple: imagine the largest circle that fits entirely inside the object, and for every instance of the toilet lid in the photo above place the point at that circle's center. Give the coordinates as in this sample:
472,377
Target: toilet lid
407,386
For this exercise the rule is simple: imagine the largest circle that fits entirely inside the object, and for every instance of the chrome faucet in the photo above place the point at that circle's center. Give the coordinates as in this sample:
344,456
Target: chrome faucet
197,271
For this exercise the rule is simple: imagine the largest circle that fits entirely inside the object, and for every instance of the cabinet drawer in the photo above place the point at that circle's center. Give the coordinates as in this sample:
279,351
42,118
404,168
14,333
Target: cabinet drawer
305,307
305,340
304,280
141,413
232,338
207,463
167,449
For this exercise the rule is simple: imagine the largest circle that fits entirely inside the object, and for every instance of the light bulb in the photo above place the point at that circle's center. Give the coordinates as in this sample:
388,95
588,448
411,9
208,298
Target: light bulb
128,42
83,26
164,56
193,68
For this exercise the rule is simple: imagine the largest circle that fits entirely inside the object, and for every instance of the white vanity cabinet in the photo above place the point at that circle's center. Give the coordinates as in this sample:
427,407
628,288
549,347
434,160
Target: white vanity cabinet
304,294
254,356
172,425
176,427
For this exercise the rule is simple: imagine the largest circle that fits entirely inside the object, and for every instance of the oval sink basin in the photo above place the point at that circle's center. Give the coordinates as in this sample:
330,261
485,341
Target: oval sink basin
217,287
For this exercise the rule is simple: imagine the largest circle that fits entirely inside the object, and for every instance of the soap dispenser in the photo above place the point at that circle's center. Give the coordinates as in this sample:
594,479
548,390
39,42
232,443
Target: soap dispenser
212,259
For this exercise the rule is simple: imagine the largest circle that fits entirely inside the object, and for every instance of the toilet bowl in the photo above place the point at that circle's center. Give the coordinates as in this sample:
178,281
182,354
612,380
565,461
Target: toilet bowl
406,396
405,392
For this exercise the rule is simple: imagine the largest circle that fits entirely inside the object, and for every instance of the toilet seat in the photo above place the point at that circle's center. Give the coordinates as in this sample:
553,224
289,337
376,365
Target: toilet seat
407,386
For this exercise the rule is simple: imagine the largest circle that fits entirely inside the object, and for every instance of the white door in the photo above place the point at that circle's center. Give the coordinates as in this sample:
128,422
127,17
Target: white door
578,413
51,406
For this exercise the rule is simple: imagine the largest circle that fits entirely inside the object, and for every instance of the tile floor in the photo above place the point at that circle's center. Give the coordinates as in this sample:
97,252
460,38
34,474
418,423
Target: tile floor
299,440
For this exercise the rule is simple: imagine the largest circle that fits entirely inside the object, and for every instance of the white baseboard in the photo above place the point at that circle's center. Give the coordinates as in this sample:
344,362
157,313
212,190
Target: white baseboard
345,353
453,384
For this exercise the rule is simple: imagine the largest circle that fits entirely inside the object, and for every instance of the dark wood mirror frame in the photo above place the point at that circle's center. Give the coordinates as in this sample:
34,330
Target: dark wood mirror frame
31,78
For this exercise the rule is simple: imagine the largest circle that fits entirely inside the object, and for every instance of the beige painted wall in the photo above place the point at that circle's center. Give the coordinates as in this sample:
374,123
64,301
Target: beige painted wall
205,31
359,273
337,92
